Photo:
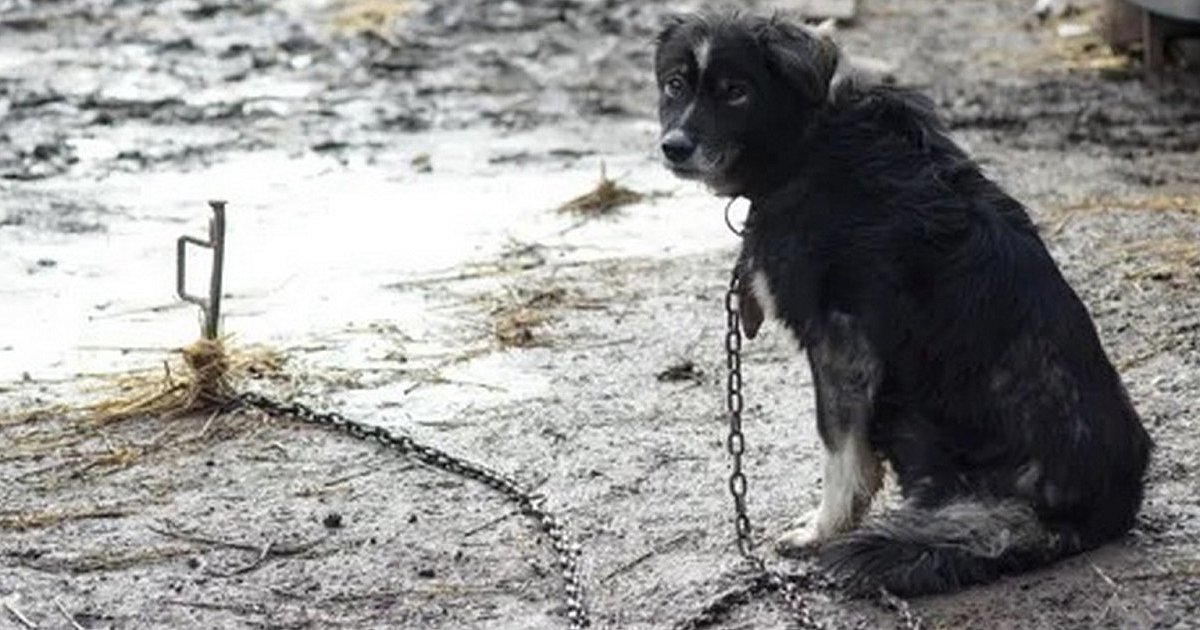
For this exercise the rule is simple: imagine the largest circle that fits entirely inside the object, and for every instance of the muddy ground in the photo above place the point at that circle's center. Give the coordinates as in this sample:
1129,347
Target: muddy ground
393,170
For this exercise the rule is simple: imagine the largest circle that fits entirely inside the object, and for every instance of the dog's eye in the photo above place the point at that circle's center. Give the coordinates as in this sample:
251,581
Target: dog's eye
735,93
674,87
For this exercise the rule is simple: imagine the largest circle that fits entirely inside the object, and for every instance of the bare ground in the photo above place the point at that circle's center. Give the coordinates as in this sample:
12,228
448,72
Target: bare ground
245,521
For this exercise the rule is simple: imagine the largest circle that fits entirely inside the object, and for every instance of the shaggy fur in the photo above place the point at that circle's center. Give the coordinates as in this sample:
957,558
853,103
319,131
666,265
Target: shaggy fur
941,335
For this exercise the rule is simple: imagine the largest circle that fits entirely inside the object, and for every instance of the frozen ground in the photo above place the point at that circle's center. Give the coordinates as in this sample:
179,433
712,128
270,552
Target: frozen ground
392,170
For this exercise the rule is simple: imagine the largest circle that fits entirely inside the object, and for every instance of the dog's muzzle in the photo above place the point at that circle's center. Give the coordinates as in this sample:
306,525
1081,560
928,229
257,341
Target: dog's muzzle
677,147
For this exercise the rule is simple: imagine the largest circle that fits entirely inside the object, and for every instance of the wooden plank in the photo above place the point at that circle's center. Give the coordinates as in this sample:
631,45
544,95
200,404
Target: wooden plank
1121,25
1187,10
1153,45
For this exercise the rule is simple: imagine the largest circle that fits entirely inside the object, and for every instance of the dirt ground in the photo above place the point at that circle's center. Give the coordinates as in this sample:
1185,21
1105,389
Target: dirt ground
393,169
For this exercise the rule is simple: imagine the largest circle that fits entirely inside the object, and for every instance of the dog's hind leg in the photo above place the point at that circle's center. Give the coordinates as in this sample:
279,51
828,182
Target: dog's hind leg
846,374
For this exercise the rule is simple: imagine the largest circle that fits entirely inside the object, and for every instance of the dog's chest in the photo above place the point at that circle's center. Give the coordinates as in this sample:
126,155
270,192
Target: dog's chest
760,288
783,283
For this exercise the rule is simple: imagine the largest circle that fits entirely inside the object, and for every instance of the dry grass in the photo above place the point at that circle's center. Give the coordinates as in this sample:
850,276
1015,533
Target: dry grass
111,560
518,316
135,414
1163,259
514,327
376,18
607,196
515,321
1086,51
22,521
1174,260
202,377
1160,203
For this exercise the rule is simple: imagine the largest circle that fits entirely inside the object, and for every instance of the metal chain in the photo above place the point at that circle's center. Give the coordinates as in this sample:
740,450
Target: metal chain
786,585
909,620
530,505
789,586
720,606
764,580
736,442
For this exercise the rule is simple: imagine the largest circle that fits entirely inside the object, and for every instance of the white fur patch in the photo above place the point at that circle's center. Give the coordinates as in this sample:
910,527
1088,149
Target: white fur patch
762,293
853,474
701,51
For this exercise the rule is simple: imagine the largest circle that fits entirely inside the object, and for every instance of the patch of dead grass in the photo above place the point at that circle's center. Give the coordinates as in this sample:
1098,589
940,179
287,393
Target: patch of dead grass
1173,260
376,18
18,521
202,375
606,197
518,317
516,320
79,440
111,560
1086,51
1161,203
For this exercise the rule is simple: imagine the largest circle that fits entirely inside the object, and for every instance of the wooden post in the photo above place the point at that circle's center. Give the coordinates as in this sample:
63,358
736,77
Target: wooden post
1153,44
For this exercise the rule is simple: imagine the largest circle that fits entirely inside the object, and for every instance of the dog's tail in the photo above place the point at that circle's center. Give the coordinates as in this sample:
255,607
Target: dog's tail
916,551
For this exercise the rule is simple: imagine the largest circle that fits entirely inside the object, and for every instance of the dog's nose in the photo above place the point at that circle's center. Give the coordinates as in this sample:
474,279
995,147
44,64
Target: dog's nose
677,146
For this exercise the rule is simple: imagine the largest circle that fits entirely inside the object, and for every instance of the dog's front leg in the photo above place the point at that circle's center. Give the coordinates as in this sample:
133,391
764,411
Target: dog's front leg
846,375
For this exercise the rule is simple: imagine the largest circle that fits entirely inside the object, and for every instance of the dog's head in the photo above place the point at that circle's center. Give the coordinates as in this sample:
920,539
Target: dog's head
735,92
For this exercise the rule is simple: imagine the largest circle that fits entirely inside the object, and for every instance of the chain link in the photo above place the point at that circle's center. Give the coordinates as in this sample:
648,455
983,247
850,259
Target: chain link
788,586
909,620
736,442
529,504
766,580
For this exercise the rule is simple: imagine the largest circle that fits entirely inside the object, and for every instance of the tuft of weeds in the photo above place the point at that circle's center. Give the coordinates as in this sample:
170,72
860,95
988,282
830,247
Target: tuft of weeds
602,200
375,18
99,436
515,321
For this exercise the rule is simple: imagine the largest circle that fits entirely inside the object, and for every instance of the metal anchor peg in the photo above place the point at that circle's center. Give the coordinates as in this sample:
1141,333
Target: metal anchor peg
210,307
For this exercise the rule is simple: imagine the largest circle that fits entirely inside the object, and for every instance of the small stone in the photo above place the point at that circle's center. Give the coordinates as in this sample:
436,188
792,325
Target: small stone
426,573
332,520
683,371
422,163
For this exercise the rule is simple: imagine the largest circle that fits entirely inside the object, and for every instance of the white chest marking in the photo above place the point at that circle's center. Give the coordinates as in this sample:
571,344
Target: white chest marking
762,293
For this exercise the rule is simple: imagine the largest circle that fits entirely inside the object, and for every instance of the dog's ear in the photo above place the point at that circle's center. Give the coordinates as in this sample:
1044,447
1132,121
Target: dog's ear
668,26
749,310
804,57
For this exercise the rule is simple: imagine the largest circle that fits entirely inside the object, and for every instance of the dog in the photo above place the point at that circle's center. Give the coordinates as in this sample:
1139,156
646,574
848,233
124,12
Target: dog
942,338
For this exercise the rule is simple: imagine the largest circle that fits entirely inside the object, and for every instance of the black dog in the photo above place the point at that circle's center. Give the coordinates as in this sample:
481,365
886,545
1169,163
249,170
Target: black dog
942,338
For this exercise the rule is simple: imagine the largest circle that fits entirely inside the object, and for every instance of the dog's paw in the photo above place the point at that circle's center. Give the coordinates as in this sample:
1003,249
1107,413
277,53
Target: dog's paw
812,530
799,541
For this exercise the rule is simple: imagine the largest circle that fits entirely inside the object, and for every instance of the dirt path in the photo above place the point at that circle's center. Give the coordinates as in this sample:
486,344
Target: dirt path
393,169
